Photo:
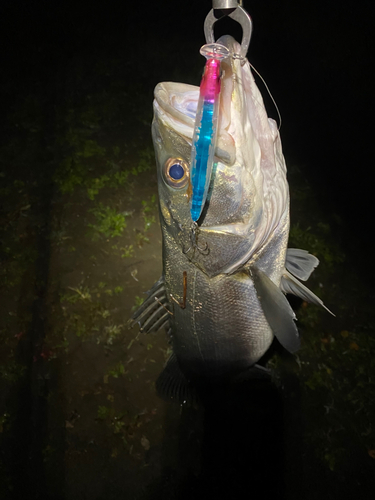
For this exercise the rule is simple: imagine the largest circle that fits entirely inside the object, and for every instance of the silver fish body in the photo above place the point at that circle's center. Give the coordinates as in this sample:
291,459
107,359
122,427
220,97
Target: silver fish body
222,330
222,282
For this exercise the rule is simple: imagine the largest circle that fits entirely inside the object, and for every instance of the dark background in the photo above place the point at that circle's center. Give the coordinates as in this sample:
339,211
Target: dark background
317,59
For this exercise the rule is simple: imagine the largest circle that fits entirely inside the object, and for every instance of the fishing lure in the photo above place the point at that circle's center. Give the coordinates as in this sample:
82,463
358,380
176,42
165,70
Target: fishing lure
205,129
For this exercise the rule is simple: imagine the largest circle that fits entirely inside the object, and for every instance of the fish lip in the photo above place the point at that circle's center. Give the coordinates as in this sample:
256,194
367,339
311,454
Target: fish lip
164,105
236,229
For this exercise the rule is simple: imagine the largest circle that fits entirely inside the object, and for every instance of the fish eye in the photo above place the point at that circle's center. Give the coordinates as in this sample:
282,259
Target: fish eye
176,172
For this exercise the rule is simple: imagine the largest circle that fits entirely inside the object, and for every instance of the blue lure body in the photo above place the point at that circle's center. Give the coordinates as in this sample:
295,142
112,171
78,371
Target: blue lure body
205,130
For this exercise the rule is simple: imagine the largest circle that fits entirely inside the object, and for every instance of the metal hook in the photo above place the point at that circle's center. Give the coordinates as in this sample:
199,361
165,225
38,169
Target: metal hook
239,14
194,241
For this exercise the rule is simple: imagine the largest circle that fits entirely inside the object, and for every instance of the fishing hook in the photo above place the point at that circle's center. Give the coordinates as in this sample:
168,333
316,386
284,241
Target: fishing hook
194,232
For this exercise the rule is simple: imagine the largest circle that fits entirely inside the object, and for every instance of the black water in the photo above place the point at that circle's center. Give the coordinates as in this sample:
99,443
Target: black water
236,434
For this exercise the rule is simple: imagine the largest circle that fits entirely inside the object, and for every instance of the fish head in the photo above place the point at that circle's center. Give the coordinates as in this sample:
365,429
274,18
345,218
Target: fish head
248,194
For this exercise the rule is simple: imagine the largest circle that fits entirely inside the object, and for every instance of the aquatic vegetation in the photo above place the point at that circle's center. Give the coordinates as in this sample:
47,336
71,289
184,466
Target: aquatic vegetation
309,314
62,345
119,179
335,367
81,293
80,326
109,223
315,239
320,378
112,417
77,148
117,370
111,332
69,175
127,251
12,371
138,301
133,340
115,291
73,169
127,428
332,458
148,211
146,161
89,148
103,412
115,180
95,185
141,238
87,314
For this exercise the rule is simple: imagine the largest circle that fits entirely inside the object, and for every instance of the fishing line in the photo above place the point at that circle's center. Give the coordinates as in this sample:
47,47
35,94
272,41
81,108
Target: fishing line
269,93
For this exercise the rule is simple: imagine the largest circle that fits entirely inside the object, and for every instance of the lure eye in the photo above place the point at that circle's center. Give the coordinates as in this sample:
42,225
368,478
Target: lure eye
176,172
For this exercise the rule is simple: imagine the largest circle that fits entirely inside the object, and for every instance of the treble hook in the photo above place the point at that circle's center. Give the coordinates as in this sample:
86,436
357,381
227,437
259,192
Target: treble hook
194,232
233,9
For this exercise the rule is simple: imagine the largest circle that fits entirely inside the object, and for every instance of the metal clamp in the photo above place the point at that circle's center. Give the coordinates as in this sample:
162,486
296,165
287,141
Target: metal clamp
225,4
239,14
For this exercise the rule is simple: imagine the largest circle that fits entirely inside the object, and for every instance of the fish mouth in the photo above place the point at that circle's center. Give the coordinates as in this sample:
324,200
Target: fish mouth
249,192
176,104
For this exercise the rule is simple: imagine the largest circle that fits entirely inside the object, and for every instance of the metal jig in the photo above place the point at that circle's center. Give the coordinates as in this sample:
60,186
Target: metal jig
233,9
206,127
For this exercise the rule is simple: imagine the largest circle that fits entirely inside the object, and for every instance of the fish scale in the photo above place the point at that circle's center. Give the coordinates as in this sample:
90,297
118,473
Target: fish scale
223,329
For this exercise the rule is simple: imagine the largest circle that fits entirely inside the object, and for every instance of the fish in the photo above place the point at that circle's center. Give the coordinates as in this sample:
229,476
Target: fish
221,297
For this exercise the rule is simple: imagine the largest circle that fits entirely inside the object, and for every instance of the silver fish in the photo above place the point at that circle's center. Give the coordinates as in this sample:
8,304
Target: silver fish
221,296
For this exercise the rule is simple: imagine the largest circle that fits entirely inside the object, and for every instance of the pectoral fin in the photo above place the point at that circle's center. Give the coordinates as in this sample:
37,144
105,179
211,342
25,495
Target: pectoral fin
290,284
153,314
276,308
